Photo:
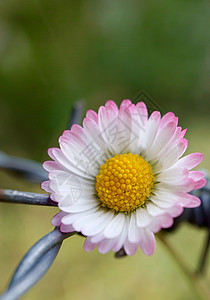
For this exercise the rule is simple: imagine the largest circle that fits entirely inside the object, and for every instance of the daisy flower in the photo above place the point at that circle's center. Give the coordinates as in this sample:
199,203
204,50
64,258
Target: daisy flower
120,177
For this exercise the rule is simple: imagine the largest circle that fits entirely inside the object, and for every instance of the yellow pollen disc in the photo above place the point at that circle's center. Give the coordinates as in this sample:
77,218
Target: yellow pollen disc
124,182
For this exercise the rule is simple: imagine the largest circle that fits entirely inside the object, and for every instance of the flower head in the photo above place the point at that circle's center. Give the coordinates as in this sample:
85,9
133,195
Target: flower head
120,178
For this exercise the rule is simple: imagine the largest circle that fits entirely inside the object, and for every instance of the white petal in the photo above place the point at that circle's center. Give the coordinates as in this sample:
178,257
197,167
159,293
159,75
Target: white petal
82,157
133,230
65,183
142,217
136,130
151,130
107,122
82,221
154,210
70,218
76,208
163,200
96,226
162,138
172,175
167,160
121,239
115,227
60,157
123,138
171,143
92,129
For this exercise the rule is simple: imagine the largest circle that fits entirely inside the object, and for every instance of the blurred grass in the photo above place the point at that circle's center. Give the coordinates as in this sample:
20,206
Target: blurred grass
55,52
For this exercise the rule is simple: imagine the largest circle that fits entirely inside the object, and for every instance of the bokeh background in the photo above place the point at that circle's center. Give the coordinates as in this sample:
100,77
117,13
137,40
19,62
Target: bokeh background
53,52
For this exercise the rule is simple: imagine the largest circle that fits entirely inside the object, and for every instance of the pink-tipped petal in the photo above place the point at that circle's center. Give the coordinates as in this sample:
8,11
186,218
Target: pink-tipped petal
143,113
166,221
125,103
190,161
147,242
188,200
130,248
176,210
92,115
196,175
56,220
199,179
199,184
183,133
88,245
46,186
110,103
66,228
105,245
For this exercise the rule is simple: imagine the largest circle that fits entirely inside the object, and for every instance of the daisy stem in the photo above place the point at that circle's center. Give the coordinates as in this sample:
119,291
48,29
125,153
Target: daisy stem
199,289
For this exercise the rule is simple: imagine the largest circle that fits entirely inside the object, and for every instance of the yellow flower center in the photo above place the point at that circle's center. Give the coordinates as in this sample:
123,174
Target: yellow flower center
124,182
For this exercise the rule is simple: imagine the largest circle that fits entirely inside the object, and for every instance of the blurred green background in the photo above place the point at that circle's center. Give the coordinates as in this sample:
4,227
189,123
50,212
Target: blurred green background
55,52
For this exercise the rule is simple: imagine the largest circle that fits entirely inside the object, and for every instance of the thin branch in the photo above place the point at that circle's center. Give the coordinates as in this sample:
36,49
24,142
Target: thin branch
11,196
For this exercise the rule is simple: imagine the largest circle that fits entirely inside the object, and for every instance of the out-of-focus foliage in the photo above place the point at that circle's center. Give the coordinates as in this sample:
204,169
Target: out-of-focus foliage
54,52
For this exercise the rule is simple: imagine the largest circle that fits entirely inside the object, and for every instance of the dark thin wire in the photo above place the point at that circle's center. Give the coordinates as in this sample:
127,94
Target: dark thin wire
35,264
12,196
76,113
29,169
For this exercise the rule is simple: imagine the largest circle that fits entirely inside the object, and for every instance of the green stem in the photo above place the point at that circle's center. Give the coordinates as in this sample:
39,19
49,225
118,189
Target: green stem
198,288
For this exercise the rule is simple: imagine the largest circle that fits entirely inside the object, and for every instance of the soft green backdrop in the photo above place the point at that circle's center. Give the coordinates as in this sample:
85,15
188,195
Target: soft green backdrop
53,52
